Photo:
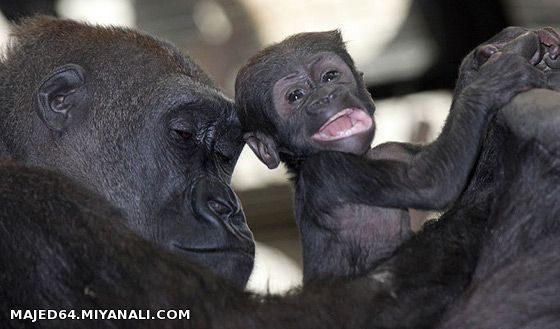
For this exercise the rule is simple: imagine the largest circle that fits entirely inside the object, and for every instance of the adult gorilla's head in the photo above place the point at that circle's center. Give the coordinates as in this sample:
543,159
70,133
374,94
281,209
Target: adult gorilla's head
133,119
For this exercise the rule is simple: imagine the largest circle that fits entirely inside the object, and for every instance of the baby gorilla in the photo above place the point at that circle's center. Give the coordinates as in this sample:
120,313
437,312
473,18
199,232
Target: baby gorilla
304,95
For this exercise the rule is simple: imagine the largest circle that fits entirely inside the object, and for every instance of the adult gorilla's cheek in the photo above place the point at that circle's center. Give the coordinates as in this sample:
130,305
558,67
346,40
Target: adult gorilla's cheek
218,236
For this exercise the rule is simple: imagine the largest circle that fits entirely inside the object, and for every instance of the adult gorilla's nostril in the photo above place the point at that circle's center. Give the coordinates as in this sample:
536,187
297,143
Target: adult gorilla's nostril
213,201
215,204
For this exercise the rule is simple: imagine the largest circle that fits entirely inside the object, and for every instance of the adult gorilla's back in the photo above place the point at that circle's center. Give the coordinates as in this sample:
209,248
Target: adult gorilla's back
132,119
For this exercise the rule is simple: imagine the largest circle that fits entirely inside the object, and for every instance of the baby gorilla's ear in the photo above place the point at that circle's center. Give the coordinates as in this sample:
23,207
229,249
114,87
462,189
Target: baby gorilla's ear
264,148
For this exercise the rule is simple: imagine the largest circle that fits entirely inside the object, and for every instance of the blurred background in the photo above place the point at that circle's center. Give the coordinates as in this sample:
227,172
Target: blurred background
409,51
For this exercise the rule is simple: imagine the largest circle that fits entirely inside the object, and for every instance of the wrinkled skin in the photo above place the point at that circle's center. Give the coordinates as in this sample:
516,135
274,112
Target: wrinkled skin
137,122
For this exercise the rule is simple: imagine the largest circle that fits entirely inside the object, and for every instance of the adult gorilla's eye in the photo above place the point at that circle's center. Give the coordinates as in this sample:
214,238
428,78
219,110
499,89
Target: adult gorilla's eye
330,76
183,134
295,95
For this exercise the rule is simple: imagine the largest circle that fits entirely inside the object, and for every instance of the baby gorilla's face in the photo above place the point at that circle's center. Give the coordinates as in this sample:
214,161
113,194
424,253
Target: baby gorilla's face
320,107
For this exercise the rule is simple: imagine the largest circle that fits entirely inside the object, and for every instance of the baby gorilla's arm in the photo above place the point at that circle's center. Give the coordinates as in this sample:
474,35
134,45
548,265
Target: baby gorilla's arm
434,176
394,151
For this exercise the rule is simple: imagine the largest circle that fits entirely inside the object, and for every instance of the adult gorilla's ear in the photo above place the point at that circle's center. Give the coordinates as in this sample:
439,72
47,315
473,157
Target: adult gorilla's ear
63,97
264,148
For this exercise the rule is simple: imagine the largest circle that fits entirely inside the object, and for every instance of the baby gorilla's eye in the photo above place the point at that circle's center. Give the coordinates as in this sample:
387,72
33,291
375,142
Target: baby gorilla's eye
295,95
330,76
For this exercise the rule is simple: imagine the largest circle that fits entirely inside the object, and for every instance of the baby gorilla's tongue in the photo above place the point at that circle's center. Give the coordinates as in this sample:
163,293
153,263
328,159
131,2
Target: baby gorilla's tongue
338,126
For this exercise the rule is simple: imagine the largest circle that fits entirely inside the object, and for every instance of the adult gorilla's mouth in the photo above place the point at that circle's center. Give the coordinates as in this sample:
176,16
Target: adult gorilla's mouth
233,263
345,123
214,250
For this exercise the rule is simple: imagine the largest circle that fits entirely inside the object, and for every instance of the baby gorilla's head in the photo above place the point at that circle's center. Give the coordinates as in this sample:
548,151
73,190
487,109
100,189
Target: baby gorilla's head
301,96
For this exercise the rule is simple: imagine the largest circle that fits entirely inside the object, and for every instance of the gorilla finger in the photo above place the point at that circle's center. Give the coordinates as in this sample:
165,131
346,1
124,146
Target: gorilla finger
548,36
550,47
506,62
531,78
507,34
525,45
483,53
551,60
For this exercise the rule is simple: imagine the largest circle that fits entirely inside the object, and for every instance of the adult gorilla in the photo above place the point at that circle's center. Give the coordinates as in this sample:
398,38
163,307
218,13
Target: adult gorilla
135,121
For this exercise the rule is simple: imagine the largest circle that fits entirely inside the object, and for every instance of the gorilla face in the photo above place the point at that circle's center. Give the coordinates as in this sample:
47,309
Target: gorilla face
136,121
301,96
320,105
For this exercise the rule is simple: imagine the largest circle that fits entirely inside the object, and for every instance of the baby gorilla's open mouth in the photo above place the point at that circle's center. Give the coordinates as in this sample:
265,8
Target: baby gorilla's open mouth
346,123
